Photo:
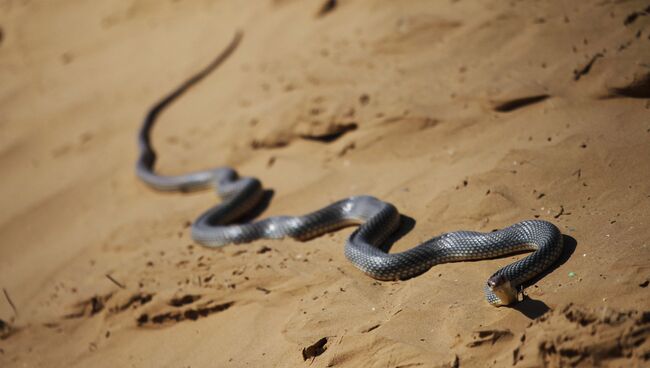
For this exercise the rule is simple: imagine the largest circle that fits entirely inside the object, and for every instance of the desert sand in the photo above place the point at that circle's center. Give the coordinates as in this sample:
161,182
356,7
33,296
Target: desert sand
464,114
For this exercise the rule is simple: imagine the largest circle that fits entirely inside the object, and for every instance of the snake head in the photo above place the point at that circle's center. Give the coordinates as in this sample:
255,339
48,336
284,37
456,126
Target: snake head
503,289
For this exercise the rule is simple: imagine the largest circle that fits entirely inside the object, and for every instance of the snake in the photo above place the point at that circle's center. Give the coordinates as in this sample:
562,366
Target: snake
377,220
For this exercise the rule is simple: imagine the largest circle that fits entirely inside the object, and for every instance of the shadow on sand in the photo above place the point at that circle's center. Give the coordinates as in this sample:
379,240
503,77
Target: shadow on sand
533,308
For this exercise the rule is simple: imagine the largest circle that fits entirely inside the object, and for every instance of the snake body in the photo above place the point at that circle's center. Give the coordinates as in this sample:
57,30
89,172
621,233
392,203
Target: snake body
377,221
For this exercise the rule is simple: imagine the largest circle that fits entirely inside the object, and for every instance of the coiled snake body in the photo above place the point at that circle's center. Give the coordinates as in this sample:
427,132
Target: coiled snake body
377,221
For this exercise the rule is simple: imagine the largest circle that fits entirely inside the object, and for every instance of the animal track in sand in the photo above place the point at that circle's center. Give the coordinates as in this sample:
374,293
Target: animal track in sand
183,312
584,70
489,336
327,7
315,349
632,17
161,312
639,87
314,132
135,301
97,303
333,132
371,328
184,300
517,103
5,330
89,307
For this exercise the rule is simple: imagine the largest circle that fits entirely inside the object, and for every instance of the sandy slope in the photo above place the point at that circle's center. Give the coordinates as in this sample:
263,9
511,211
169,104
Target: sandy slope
469,115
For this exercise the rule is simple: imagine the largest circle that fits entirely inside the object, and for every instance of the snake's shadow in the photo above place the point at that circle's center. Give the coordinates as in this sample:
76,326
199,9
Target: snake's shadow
262,205
406,224
568,249
533,308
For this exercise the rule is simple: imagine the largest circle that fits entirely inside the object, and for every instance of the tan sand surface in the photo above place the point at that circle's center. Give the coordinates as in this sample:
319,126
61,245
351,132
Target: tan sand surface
469,115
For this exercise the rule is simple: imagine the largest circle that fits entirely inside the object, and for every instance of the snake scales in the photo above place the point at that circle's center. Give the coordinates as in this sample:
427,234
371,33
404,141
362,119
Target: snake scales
377,221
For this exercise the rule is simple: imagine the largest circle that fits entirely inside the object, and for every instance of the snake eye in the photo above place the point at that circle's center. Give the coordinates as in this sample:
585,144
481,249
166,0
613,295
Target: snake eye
496,281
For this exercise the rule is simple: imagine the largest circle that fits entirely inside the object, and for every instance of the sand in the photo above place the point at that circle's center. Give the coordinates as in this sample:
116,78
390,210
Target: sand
464,114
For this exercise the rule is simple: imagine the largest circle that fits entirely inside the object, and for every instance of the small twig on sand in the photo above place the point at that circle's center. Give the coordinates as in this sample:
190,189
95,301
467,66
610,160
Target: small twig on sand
115,281
10,302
